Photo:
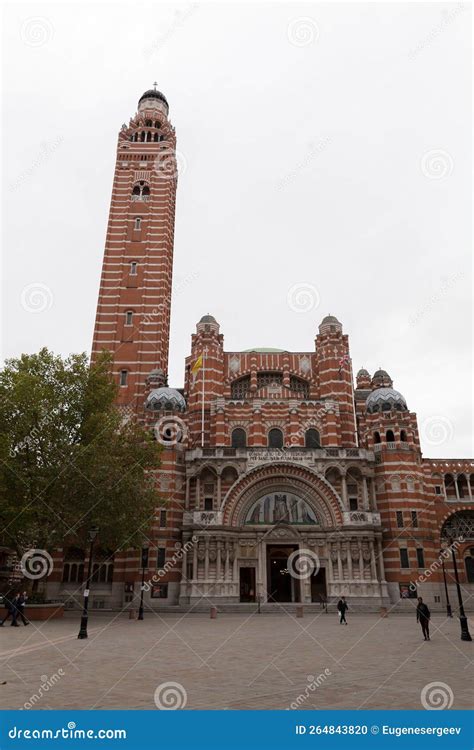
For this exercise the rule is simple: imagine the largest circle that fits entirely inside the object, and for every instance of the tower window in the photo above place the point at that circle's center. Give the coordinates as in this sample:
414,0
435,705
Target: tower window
123,377
403,436
275,438
239,438
400,519
414,518
133,268
138,223
312,438
161,557
377,438
208,503
162,519
353,503
128,318
390,437
404,560
420,557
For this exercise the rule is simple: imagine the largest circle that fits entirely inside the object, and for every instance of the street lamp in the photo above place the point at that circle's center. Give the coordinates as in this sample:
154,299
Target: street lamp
144,567
465,634
90,538
449,612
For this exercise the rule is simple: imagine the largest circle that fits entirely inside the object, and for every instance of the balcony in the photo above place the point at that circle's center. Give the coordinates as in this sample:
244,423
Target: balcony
256,455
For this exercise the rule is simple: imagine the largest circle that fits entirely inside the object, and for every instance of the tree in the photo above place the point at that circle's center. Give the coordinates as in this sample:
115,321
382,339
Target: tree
68,459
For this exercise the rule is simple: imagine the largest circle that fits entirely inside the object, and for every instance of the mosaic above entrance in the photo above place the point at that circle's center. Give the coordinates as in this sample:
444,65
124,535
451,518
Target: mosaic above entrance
278,506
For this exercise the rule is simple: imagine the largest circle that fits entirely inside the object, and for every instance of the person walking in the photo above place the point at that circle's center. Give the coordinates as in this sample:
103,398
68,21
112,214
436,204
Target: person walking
23,598
11,603
423,615
342,609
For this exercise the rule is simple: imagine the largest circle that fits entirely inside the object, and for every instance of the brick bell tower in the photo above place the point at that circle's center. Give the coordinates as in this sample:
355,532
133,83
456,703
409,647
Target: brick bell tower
133,310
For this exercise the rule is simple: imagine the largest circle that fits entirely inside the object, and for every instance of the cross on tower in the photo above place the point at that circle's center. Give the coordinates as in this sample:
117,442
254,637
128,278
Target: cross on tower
155,84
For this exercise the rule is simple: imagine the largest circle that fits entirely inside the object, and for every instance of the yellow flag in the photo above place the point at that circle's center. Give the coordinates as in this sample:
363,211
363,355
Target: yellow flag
197,365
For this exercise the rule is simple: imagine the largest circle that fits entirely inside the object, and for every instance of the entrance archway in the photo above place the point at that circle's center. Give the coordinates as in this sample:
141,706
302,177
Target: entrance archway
281,585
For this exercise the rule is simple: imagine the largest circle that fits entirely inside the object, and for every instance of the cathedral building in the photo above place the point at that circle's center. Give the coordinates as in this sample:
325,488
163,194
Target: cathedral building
284,478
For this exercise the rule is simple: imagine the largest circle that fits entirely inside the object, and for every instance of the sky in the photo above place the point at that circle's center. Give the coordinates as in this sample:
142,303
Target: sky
325,161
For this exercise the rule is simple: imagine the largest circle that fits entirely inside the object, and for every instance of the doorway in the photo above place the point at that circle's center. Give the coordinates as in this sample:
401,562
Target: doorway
281,586
247,584
318,586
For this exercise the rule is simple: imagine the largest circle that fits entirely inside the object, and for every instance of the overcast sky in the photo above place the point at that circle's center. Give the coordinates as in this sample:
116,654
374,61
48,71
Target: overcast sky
325,167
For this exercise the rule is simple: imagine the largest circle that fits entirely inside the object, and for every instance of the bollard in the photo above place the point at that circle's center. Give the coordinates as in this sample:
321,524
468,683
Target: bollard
383,611
213,613
132,615
299,611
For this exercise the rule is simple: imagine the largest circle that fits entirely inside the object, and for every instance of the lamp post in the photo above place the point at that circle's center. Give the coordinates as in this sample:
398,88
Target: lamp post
144,567
449,612
85,616
465,634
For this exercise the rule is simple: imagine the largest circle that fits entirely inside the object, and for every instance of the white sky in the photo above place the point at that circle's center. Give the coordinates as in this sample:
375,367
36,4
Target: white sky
321,144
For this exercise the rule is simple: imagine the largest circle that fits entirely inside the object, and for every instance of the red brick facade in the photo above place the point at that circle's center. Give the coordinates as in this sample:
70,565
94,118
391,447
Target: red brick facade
268,454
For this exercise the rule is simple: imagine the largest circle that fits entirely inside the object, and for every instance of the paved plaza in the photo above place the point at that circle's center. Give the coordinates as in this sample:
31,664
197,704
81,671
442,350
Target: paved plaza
238,661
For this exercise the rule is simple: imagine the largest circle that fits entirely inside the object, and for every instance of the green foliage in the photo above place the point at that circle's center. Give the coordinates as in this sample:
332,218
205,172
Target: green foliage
67,459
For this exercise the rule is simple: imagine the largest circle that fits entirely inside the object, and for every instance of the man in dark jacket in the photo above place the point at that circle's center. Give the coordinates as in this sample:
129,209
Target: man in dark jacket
21,604
11,602
423,615
342,609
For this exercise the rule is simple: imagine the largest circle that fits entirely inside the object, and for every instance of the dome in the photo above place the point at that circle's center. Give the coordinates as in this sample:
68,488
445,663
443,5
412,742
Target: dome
385,399
329,324
363,373
168,399
153,94
208,319
381,374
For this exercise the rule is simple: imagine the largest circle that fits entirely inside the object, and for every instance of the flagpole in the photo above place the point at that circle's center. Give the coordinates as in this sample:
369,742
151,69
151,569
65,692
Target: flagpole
202,397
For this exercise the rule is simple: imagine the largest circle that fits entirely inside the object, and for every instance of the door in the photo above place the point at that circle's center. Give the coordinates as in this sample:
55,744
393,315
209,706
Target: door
247,584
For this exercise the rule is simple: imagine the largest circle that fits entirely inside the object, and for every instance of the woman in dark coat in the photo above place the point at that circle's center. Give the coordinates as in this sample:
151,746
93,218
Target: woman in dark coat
423,615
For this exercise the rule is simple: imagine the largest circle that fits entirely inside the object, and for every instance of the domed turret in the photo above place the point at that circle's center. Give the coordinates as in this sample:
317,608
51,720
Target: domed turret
381,379
207,323
385,399
363,378
165,399
156,378
152,98
330,324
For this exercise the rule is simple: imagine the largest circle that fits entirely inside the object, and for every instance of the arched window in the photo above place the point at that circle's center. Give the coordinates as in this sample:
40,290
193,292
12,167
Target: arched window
156,137
136,193
135,137
469,563
103,567
148,123
239,438
73,568
275,438
239,389
142,135
146,193
133,268
403,436
123,377
312,438
148,136
138,223
389,436
157,124
129,318
377,438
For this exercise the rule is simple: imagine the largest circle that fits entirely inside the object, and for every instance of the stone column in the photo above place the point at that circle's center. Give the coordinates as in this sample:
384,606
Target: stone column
206,560
345,500
339,563
195,561
361,561
373,493
456,487
373,565
219,561
330,566
198,493
380,556
468,477
186,499
349,561
219,490
365,493
227,565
